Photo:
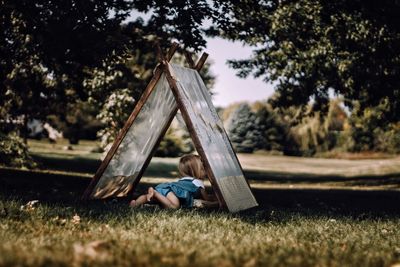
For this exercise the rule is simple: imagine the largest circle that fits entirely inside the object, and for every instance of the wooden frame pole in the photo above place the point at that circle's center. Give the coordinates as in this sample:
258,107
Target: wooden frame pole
201,61
146,163
157,74
193,134
189,59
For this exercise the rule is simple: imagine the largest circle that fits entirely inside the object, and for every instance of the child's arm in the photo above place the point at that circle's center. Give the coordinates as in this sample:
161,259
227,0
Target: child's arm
206,196
208,201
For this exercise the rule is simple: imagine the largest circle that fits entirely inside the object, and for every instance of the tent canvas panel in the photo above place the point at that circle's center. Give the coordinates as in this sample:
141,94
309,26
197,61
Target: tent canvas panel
194,100
138,144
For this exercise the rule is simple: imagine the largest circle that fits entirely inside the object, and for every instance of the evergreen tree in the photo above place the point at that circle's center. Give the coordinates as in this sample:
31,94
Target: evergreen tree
242,130
271,133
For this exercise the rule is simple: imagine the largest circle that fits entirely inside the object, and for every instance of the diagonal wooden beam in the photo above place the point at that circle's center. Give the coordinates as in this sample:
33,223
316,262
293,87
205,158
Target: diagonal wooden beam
193,134
157,74
189,59
159,52
201,61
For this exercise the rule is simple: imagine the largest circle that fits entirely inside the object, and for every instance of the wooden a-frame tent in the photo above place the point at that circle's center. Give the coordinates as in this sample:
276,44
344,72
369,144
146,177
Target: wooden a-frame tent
171,88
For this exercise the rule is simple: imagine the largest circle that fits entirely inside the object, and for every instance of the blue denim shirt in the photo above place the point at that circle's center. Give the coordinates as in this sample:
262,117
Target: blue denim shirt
184,189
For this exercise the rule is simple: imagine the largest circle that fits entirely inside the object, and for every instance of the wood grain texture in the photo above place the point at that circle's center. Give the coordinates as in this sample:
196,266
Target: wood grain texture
193,134
157,74
189,59
200,63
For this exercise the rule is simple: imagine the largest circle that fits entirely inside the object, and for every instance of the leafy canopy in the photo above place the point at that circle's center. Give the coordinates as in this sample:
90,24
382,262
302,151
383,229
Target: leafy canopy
308,48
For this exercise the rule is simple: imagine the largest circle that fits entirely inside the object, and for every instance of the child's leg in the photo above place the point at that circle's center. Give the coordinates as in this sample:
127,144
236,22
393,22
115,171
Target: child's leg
139,201
150,194
174,200
170,201
142,199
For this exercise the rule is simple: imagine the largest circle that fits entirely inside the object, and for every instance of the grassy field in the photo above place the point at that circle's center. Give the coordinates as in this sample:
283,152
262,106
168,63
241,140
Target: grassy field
263,171
304,219
112,234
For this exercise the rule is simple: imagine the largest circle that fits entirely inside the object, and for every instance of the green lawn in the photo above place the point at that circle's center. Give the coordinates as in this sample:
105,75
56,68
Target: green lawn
111,234
303,219
260,169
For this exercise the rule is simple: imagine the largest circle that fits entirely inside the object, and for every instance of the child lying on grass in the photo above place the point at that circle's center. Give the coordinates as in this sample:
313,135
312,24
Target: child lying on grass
182,192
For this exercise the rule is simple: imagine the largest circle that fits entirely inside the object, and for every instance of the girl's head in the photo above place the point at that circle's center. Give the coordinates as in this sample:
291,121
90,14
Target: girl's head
191,165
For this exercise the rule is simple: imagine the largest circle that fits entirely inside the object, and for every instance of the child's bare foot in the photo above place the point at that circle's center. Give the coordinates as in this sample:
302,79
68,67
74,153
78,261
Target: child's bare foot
133,204
150,194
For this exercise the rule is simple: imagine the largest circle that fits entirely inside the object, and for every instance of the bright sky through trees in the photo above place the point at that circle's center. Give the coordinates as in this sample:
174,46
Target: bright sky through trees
228,87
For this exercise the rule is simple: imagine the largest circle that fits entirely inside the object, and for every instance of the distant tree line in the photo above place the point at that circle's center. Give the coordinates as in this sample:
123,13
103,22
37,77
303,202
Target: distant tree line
258,127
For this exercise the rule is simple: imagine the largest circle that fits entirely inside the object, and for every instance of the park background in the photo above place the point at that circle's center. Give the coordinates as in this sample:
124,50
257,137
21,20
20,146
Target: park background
320,152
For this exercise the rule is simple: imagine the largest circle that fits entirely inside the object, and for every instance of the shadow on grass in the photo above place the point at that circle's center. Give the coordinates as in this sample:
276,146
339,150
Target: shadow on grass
63,189
282,177
168,170
87,165
66,163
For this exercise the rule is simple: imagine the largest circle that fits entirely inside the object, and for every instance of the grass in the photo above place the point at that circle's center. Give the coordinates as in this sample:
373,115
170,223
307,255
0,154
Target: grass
257,167
104,234
293,226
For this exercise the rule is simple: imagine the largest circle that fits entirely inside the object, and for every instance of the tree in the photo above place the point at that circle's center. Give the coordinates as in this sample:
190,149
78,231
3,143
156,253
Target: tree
317,132
271,131
368,133
51,52
79,123
242,130
310,47
13,151
45,49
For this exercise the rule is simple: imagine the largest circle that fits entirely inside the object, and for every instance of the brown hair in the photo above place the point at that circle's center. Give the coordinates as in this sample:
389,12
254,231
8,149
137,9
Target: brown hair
191,165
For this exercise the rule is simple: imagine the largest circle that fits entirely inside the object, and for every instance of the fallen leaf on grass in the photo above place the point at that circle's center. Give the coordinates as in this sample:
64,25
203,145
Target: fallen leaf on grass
31,205
76,219
96,250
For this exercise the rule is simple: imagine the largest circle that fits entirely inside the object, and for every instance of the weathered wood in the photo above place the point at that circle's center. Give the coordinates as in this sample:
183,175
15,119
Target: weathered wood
159,53
172,50
201,61
193,134
234,152
147,162
128,124
198,67
189,59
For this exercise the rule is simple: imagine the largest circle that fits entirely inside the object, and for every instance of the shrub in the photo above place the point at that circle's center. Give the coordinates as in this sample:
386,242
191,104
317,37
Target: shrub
14,152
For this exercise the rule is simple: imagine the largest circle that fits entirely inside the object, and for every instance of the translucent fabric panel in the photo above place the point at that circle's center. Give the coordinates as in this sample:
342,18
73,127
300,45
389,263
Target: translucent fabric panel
138,143
213,139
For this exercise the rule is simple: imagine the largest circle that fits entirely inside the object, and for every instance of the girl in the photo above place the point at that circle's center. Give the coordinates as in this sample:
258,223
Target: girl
182,192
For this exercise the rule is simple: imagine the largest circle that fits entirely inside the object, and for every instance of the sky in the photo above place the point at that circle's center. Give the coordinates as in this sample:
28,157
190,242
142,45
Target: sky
228,87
